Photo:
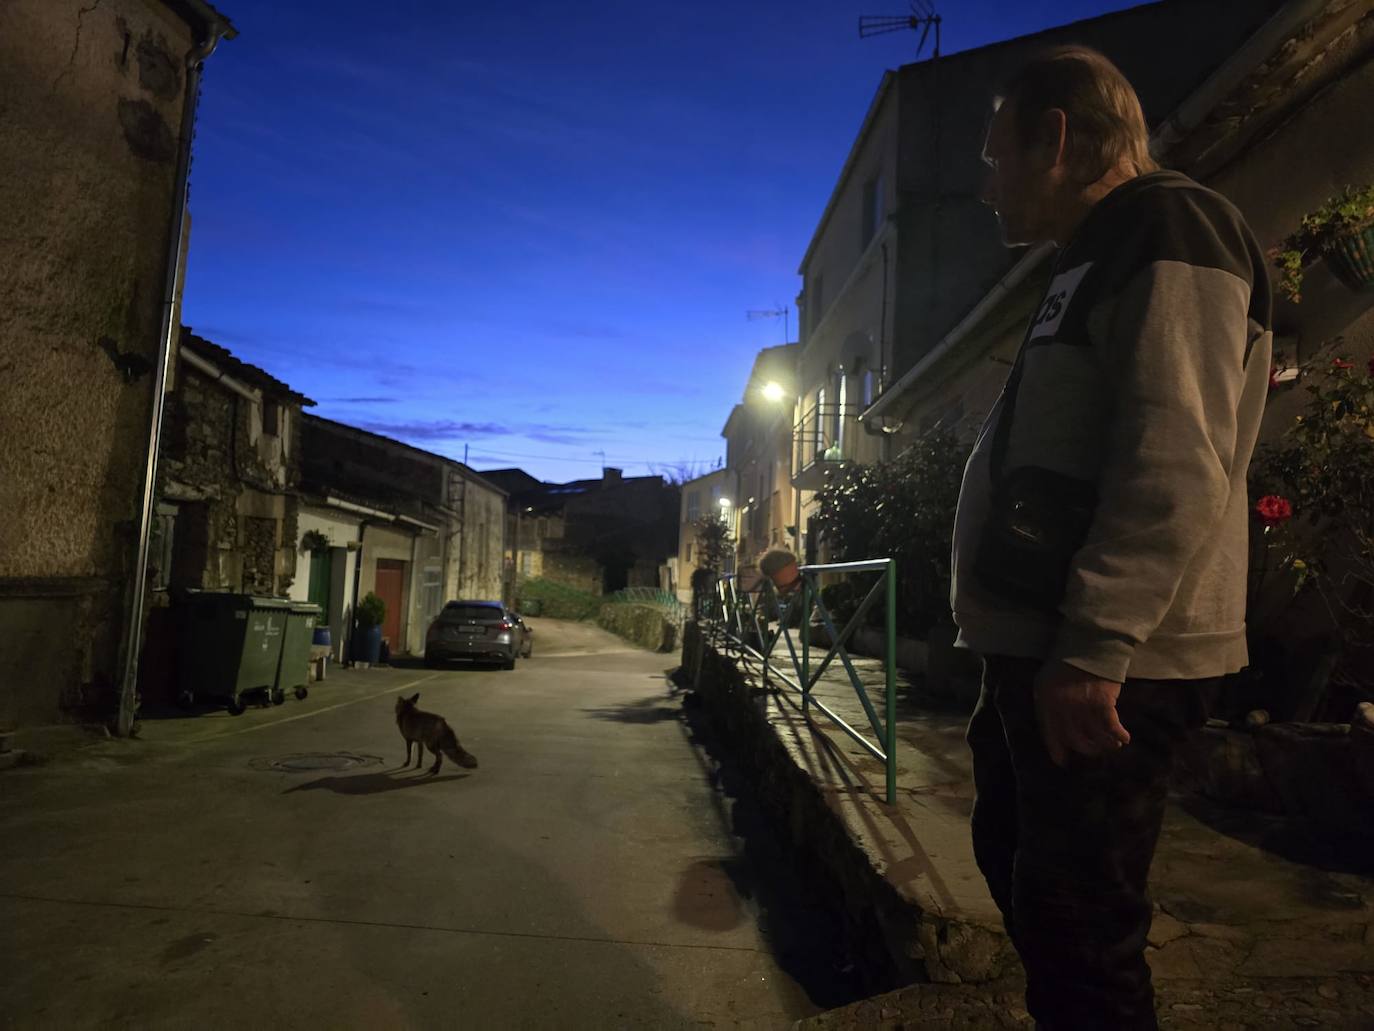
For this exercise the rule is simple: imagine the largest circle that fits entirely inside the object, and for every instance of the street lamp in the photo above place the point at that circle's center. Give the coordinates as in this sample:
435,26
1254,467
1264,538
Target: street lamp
773,391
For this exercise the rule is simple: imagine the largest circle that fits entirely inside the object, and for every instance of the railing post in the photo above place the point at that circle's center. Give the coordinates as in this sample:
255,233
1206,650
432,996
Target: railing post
891,664
806,642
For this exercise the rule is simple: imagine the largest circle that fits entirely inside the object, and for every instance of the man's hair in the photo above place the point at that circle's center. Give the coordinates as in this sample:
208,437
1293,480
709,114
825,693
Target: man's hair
1105,123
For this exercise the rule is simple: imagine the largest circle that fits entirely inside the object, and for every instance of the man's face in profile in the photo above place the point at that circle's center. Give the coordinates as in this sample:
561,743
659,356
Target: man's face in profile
1015,187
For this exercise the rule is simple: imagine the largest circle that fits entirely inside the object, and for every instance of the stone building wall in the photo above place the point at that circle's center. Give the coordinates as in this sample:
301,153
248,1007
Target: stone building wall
93,97
235,527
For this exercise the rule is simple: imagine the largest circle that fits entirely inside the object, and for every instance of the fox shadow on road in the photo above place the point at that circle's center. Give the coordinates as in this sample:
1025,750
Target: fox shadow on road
372,783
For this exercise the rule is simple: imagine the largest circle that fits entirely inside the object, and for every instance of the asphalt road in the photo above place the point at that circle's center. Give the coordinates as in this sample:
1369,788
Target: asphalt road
583,876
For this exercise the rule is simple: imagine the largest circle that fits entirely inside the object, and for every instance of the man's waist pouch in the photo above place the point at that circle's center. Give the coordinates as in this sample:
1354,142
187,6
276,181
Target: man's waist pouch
1037,522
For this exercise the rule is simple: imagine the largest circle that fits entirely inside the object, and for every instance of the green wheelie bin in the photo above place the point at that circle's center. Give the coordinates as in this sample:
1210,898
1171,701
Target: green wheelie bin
230,647
293,672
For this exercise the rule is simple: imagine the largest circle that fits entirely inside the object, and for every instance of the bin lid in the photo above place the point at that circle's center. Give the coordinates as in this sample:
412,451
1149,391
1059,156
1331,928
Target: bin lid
260,602
305,608
213,599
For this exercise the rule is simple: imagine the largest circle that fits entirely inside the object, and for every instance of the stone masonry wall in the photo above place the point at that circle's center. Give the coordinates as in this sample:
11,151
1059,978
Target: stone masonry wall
92,105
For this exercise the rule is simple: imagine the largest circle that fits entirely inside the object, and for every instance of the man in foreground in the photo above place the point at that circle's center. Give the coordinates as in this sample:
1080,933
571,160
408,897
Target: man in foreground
1100,547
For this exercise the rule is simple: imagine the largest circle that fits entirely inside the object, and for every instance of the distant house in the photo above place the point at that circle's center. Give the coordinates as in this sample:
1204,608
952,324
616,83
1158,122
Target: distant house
701,497
764,504
94,140
416,528
595,535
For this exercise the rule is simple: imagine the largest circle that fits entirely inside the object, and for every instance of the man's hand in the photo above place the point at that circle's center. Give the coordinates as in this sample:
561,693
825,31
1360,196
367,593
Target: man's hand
1077,713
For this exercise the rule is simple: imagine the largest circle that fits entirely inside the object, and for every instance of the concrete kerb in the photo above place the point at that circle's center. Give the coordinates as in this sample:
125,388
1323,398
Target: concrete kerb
844,837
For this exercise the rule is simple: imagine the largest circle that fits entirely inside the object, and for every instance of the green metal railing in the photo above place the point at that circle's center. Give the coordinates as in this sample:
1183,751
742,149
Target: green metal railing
740,619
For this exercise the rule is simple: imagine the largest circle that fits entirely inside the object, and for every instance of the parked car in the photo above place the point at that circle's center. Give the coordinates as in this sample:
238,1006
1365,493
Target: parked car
529,635
476,631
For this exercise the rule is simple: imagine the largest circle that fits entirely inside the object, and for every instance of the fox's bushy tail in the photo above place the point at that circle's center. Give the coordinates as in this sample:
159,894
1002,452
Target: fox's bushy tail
457,753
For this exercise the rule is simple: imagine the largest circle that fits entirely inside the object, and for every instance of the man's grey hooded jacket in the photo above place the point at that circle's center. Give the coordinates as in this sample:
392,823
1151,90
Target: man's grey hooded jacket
1144,373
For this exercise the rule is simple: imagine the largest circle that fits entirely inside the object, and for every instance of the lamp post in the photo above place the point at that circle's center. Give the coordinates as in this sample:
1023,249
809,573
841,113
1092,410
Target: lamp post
775,392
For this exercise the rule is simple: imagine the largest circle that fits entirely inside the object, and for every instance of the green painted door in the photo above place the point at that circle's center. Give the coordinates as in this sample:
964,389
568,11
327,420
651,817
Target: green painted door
321,566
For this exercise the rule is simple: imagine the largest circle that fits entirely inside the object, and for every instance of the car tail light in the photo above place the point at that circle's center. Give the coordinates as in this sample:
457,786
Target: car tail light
505,625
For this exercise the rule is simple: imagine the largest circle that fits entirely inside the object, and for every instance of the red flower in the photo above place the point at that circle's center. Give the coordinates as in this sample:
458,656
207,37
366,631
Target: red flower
1341,363
1273,510
1274,375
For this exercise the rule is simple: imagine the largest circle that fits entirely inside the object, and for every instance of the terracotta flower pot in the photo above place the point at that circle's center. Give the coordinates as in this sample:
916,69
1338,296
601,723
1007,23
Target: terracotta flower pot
787,579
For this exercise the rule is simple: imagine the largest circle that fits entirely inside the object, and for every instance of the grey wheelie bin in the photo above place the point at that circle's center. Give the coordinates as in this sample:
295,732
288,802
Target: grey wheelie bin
293,672
230,647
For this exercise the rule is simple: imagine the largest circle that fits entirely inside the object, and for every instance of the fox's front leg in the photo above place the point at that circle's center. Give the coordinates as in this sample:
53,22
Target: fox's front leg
406,766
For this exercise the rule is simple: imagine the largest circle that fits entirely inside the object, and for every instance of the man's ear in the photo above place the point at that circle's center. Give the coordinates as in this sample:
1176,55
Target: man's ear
1051,140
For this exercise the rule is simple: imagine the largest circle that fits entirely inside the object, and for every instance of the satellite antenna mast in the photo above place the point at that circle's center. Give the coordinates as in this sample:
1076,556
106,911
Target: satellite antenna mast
922,17
774,313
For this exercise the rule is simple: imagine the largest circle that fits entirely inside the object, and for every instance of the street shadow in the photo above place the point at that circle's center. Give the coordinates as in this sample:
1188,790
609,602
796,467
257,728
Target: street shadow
785,894
372,783
1283,836
654,709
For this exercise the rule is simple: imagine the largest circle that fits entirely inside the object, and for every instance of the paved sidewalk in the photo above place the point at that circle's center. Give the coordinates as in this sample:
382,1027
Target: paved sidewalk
1240,898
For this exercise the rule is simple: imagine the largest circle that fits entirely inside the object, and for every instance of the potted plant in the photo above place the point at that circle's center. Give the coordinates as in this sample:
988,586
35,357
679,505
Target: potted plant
367,637
1342,232
313,540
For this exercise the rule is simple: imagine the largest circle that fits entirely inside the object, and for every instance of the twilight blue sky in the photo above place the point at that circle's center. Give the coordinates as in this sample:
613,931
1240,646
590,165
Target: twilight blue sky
533,228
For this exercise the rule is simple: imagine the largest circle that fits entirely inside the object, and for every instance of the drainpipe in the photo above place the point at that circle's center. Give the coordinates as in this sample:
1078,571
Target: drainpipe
171,322
363,524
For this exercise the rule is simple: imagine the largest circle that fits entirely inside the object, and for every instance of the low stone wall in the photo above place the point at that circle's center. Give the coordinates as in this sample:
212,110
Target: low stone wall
644,625
888,938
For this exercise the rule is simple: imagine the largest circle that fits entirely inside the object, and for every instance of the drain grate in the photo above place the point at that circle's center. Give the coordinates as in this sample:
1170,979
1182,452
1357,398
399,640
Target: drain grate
311,762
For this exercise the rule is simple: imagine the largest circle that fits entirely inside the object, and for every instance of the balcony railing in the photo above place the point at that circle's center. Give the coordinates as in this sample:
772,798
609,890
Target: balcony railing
820,442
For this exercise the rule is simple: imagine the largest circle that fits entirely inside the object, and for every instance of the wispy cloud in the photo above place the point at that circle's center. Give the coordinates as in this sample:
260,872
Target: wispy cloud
456,430
361,400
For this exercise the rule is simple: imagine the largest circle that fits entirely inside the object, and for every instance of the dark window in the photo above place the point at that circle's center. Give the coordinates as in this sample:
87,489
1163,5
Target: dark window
457,610
271,418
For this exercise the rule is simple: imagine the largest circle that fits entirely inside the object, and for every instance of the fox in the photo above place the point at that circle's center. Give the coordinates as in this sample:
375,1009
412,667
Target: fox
426,730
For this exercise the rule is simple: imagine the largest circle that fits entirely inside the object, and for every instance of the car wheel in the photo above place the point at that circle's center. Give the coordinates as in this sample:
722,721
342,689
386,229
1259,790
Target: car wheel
509,663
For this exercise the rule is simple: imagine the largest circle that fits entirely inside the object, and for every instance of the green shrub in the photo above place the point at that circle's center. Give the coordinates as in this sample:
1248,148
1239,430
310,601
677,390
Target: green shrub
371,610
644,625
558,601
904,510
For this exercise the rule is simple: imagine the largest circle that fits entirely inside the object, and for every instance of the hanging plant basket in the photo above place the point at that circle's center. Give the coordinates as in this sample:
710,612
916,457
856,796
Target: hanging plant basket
1351,258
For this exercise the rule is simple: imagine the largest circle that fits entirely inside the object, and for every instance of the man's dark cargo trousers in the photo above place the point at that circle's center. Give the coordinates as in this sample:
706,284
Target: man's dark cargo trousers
1066,851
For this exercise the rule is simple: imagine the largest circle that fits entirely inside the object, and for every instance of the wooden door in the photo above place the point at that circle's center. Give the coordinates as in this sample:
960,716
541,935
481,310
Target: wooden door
391,574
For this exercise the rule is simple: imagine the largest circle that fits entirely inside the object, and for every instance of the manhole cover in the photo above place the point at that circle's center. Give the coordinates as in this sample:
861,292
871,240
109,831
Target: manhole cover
309,762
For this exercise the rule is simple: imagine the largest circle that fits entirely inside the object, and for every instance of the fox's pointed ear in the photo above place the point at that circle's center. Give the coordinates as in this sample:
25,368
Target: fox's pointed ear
414,698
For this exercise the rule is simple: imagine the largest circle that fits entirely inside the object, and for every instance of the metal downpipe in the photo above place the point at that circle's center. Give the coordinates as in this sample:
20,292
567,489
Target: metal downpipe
171,322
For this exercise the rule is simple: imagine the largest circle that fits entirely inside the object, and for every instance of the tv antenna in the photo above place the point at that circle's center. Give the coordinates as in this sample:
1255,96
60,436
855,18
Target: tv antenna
773,313
922,17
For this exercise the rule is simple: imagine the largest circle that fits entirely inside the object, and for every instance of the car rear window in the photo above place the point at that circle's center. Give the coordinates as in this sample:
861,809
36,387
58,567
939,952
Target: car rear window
480,612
